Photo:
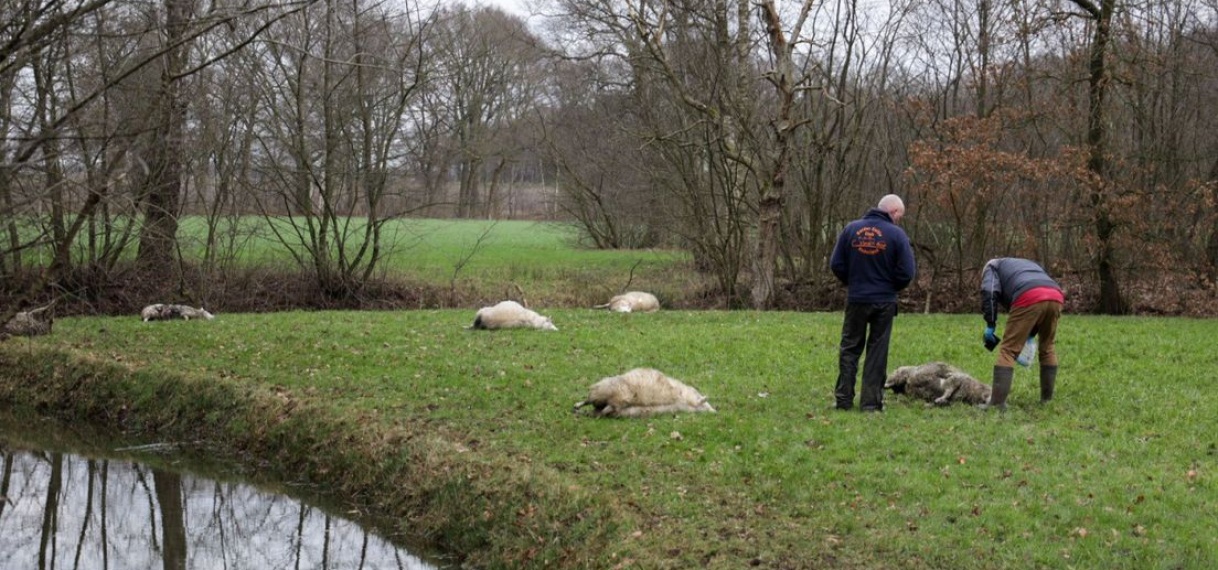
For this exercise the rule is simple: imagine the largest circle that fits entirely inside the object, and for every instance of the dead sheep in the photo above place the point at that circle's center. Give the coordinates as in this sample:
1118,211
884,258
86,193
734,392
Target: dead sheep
510,315
36,322
164,312
642,392
632,302
938,383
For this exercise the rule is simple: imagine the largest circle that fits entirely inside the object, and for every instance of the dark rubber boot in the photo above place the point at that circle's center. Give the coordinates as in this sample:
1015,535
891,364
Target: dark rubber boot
1048,378
1001,388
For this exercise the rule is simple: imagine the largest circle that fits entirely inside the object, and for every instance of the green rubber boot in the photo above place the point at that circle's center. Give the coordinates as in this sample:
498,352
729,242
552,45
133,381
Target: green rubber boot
1048,378
1000,389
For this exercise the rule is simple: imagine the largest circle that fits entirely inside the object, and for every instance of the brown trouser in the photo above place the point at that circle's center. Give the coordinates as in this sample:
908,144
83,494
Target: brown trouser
1043,318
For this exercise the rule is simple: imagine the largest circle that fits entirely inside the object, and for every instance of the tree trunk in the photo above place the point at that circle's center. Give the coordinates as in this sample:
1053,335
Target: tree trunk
768,215
469,197
158,236
10,255
51,159
1211,245
494,209
1110,302
770,204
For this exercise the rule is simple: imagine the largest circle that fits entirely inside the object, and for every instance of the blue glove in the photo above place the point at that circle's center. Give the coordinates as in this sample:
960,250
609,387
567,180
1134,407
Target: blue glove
991,339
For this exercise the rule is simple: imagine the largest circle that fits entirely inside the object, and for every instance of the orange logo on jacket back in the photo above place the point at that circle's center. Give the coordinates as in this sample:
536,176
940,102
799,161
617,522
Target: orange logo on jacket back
869,240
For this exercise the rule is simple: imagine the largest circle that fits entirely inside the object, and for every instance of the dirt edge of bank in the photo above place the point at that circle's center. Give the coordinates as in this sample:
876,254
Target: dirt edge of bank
489,512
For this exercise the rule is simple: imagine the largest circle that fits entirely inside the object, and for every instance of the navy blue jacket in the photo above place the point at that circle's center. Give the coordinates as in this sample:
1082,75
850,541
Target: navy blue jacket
873,259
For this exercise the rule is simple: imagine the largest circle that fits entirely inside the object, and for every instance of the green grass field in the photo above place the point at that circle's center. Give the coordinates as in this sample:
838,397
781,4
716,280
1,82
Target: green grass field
540,259
468,437
1117,472
428,246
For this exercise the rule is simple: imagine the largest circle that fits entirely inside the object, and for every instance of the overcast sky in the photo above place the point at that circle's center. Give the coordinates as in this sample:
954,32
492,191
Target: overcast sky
515,7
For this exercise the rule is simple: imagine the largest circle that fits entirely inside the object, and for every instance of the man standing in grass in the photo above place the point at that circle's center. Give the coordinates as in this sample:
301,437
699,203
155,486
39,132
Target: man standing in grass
874,260
1035,303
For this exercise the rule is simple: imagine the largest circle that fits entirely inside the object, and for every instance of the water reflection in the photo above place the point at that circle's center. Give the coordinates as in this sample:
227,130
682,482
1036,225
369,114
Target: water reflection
69,512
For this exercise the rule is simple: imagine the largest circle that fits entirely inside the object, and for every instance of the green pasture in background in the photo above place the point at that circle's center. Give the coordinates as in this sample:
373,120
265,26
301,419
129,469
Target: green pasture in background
424,246
541,259
1117,472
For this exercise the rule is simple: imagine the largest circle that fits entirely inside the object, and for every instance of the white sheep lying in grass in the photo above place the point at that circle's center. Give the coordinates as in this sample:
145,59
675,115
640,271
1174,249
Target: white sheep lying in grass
163,312
632,302
642,392
938,383
28,323
511,315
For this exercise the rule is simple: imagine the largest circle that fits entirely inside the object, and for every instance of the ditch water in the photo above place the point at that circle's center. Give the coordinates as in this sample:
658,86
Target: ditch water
120,508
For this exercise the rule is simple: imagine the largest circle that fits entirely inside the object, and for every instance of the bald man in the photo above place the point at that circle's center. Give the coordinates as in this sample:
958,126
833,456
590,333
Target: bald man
874,260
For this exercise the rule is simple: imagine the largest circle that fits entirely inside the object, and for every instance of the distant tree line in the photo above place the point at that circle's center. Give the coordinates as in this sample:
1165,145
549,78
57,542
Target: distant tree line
1080,133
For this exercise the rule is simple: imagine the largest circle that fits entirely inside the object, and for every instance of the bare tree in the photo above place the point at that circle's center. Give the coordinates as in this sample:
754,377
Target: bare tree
77,124
589,136
695,73
485,80
28,32
1209,38
1111,301
336,85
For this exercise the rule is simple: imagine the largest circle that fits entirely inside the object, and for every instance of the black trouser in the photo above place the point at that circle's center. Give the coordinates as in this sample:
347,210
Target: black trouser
860,318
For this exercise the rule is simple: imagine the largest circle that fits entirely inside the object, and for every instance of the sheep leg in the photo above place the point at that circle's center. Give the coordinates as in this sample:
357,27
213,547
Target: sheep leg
949,390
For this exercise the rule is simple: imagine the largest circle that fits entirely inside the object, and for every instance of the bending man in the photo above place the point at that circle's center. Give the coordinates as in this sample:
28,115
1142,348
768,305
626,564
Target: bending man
1035,303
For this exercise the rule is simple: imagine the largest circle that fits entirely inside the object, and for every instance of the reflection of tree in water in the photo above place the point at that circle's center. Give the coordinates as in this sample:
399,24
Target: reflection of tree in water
72,513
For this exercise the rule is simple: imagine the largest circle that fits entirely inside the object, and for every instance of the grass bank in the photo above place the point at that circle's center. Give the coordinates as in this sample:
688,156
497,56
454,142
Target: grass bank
467,438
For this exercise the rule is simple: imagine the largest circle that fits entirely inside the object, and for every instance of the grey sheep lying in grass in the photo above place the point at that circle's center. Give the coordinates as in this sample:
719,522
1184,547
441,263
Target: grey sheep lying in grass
642,392
938,383
29,323
510,315
163,312
632,302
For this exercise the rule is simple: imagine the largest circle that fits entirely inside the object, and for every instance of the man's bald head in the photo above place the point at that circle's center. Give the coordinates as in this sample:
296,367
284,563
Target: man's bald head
894,206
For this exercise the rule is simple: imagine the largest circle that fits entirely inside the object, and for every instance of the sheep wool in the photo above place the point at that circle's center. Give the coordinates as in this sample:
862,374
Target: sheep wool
511,315
28,323
643,392
632,302
937,383
164,312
